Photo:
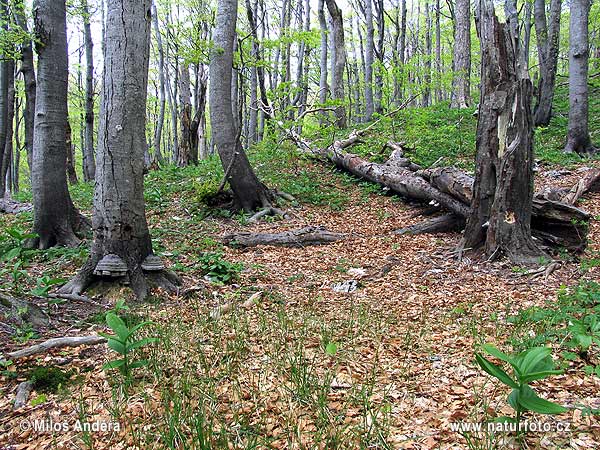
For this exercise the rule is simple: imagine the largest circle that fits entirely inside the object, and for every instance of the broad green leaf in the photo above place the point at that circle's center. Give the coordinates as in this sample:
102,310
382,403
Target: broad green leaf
117,346
118,326
114,364
531,358
539,375
495,371
532,402
513,399
12,253
491,350
141,343
136,328
140,363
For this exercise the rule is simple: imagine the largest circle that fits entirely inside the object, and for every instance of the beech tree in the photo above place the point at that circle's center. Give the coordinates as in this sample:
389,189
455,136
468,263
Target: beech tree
122,248
578,135
501,206
461,86
56,221
249,193
548,33
338,61
89,164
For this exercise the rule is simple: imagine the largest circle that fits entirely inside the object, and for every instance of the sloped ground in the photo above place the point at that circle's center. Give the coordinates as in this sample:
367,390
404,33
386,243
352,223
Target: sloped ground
390,365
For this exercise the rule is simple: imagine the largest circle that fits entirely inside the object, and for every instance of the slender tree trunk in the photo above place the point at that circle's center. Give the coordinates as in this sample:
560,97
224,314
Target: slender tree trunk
548,46
4,83
438,54
461,96
5,163
248,191
28,71
55,218
501,207
427,68
158,156
339,61
526,35
380,55
71,172
369,51
578,135
119,221
186,137
89,164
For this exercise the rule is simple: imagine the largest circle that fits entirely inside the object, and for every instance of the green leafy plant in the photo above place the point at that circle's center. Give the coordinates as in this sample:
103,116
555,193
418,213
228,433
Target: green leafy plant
527,366
218,269
44,284
124,343
12,243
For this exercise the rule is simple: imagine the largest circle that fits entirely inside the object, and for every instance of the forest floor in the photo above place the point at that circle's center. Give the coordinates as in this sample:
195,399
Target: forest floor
389,365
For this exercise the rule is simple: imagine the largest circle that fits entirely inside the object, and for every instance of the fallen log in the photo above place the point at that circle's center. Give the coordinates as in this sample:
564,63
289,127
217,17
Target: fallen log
441,224
555,223
42,347
9,206
295,238
24,311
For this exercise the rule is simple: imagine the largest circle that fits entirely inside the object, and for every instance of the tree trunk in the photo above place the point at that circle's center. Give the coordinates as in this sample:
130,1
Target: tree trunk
119,220
248,191
55,218
158,156
548,47
427,77
186,136
369,47
578,135
6,162
461,95
4,82
500,215
71,172
339,61
438,54
89,164
28,71
380,54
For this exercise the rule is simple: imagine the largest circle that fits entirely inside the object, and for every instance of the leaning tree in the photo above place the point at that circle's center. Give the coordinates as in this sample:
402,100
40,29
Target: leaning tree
56,221
249,193
501,206
122,248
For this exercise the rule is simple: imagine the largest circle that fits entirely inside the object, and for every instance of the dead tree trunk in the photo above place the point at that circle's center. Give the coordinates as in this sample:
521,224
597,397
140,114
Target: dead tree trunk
500,215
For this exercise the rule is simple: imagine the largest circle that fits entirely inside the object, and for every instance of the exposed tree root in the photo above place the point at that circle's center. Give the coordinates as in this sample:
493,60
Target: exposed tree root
268,211
441,224
139,281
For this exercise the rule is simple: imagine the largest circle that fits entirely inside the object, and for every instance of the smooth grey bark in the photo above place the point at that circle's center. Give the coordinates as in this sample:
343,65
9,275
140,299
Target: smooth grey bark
249,192
427,69
578,135
501,206
339,61
548,35
526,35
28,71
89,164
368,69
119,219
380,55
6,162
461,84
438,53
56,220
4,82
158,129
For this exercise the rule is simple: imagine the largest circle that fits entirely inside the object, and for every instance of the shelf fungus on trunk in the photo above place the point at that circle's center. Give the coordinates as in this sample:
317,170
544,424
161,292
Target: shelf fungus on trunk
111,266
153,263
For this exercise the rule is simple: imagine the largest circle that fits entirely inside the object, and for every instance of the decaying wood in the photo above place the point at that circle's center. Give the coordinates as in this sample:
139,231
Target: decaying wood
74,341
441,224
11,207
22,311
295,238
556,221
23,391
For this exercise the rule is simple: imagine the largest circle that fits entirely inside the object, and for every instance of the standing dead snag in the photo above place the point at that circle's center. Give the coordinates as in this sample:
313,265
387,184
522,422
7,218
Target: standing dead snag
122,248
500,217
